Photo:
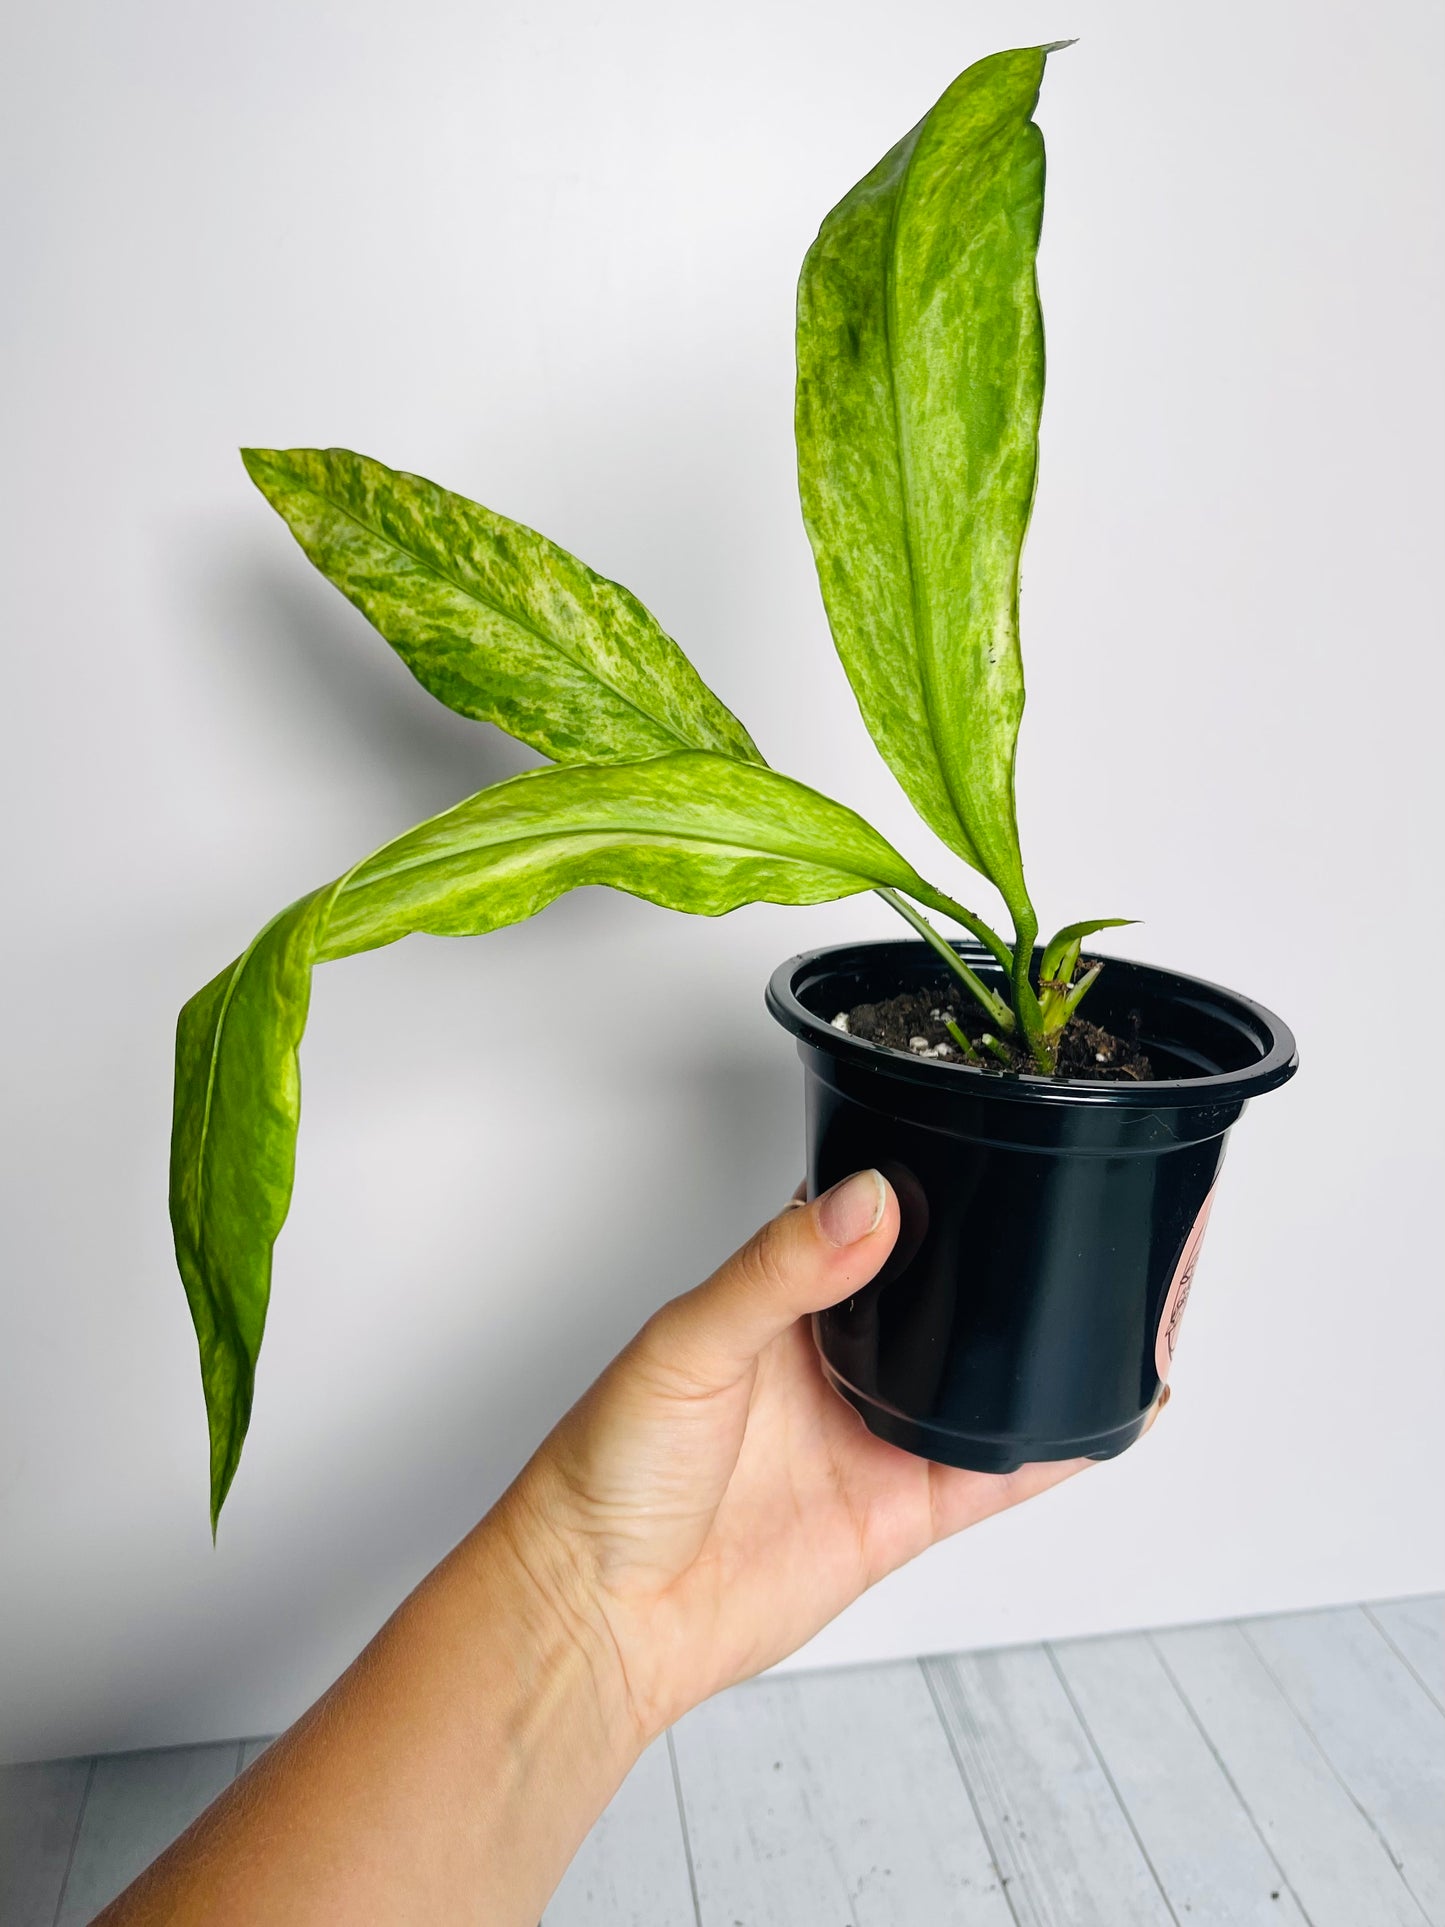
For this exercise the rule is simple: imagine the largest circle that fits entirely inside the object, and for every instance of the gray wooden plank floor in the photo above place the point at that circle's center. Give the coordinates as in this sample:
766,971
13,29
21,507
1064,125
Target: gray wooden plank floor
1288,1771
832,1797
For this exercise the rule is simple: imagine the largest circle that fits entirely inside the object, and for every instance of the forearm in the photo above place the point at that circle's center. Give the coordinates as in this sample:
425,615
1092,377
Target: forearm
450,1774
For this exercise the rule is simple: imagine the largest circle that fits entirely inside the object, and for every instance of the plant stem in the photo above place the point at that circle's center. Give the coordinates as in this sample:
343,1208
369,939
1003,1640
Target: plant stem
991,1001
975,925
961,1037
990,1042
1026,1004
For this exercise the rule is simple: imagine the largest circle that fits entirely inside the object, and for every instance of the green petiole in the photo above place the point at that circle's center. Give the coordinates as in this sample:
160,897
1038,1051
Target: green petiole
961,1037
991,1001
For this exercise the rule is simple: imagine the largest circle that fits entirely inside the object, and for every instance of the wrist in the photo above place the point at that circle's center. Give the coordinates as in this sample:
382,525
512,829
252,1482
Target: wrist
570,1675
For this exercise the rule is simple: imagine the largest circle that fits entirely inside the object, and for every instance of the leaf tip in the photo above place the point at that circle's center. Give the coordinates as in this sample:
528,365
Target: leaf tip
220,1487
262,465
255,461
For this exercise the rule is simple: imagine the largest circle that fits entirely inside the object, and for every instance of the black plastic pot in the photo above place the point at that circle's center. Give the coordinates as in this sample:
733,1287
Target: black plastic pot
1050,1228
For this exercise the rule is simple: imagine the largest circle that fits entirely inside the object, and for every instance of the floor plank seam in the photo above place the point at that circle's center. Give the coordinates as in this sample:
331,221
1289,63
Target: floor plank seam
75,1837
925,1666
1110,1781
1230,1780
1028,1877
686,1835
1339,1778
1403,1658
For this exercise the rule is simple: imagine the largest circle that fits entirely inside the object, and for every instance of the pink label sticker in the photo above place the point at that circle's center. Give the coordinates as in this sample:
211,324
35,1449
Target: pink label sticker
1173,1312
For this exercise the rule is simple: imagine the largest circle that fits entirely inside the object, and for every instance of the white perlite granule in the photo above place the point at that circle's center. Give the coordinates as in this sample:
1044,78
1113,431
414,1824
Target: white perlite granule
921,1047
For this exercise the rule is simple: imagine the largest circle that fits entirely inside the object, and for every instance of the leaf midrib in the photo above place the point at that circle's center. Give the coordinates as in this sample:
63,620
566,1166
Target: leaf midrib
650,835
204,1136
922,627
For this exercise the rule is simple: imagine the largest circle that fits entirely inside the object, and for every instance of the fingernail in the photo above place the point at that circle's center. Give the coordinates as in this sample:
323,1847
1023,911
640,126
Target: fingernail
853,1208
1157,1407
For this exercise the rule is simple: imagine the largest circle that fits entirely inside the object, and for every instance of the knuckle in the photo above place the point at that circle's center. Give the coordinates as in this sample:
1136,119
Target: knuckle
765,1260
664,1357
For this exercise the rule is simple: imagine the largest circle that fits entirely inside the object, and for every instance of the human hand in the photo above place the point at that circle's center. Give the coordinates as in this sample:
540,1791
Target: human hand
711,1502
704,1509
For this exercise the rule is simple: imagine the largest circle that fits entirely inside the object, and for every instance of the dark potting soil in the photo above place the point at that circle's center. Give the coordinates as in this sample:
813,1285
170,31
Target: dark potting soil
914,1022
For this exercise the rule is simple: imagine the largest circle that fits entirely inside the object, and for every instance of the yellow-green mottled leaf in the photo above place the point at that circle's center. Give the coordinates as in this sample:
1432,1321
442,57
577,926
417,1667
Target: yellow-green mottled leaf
492,618
238,1083
692,831
695,832
920,380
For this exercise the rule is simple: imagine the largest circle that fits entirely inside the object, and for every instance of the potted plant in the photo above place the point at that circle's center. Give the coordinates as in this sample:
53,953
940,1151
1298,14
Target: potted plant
1054,1168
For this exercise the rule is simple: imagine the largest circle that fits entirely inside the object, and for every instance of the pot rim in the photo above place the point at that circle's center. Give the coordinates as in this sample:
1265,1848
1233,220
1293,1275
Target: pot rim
1277,1061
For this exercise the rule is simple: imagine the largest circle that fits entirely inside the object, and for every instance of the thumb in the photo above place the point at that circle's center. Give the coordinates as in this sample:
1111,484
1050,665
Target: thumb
808,1257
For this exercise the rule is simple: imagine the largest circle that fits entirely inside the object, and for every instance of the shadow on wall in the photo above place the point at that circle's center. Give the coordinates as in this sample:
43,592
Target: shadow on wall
308,686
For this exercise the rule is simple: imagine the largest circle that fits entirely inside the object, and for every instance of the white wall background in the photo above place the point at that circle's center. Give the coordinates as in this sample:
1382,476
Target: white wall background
546,254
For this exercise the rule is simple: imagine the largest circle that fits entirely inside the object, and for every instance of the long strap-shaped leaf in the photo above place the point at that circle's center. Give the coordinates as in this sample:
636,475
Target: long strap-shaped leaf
691,831
492,618
920,380
233,1156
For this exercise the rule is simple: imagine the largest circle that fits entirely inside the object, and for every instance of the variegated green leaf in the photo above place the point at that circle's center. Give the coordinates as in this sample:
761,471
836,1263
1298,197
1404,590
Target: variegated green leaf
693,831
920,380
492,618
233,1157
